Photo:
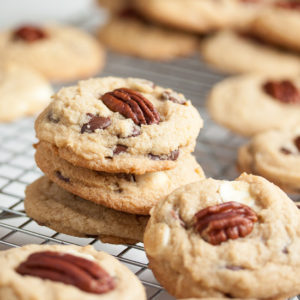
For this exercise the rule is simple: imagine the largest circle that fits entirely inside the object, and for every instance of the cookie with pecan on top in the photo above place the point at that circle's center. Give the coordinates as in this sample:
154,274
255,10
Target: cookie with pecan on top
48,272
276,156
280,24
226,239
60,53
120,125
254,103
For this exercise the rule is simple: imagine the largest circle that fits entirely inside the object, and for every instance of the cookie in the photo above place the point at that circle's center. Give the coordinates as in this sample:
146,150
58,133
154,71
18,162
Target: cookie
127,33
118,125
60,53
232,52
250,104
23,91
196,16
274,155
280,24
135,194
51,206
230,239
48,272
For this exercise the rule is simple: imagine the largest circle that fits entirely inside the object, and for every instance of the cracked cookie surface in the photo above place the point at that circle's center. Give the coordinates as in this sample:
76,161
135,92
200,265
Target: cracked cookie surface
99,125
246,263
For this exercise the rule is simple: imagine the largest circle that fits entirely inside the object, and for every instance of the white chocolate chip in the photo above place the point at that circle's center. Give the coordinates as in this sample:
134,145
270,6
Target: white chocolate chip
155,180
236,191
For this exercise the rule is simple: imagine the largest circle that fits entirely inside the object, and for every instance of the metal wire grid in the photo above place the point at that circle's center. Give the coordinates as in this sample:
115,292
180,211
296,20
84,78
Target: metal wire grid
216,151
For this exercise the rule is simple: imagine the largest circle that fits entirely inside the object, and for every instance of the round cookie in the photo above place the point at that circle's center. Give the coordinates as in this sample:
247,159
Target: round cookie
237,53
133,36
47,272
51,206
230,239
120,125
253,103
280,24
197,16
274,155
23,91
59,52
135,194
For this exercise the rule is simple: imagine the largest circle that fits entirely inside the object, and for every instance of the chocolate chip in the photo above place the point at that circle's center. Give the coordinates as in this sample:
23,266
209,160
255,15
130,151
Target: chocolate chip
52,118
61,177
172,96
234,268
135,132
127,177
285,151
297,142
172,156
119,149
285,250
96,122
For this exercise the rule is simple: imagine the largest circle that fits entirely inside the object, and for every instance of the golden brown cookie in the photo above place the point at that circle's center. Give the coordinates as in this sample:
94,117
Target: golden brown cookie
51,206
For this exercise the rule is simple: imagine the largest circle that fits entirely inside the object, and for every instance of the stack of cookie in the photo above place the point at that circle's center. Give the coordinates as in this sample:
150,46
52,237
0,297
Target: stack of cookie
111,148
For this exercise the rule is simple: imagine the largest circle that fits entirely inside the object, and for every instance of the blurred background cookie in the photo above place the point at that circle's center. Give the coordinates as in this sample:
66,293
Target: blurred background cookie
253,103
235,52
274,155
60,53
23,91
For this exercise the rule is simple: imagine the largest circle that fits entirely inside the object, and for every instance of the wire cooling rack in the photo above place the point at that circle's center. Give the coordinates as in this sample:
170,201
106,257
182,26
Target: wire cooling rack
216,152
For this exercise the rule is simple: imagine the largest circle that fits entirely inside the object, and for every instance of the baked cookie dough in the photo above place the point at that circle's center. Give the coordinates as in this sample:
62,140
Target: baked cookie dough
47,272
51,206
280,24
230,239
129,34
120,125
60,53
254,103
23,91
197,16
233,52
274,155
135,194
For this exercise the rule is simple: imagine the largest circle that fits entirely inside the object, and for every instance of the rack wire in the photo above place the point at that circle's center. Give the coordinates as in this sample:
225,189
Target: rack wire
216,152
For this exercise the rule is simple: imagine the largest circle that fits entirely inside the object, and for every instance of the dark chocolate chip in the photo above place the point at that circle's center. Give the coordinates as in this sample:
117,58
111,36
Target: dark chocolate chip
285,151
61,177
285,250
172,96
135,132
52,118
127,177
96,122
119,149
172,156
297,142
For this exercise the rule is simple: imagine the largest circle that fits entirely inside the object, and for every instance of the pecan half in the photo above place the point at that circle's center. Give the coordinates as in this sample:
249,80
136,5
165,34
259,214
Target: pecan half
29,34
284,91
297,142
69,269
288,4
230,220
95,122
131,104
